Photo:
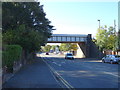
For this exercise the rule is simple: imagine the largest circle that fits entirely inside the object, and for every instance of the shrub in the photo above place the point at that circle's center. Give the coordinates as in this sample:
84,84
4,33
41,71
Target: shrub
0,59
11,54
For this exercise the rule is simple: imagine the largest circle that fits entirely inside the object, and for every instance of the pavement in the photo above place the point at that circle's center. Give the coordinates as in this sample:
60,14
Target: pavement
35,75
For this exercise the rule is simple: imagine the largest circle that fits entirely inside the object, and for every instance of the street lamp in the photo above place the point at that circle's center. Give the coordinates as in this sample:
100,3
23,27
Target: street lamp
99,23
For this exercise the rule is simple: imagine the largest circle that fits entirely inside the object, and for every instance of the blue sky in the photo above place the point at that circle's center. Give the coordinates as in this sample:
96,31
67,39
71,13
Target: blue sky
74,17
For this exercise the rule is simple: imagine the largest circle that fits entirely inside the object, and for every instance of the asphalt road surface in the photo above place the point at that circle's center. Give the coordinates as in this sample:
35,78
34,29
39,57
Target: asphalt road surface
35,75
84,73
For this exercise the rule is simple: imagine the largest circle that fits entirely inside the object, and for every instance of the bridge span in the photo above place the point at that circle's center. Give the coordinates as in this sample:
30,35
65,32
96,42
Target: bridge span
87,48
66,38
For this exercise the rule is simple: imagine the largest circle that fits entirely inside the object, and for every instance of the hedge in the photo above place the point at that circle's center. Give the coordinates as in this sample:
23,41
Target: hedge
11,54
0,59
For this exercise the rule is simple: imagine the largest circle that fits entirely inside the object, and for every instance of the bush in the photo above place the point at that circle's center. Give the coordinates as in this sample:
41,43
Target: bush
0,59
11,54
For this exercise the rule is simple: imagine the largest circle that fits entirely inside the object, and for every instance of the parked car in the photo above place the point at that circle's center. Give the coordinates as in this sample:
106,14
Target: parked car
111,59
69,56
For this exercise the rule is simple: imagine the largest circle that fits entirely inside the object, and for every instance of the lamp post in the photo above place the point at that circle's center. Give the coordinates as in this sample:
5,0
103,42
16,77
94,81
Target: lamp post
99,23
99,28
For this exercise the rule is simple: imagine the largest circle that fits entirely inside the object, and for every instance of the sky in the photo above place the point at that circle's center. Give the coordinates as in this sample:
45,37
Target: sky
80,17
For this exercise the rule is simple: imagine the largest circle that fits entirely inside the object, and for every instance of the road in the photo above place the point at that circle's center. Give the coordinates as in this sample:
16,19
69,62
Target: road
84,73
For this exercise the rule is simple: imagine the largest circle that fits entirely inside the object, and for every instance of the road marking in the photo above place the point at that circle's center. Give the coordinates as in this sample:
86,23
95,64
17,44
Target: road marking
54,62
60,77
62,62
111,74
57,64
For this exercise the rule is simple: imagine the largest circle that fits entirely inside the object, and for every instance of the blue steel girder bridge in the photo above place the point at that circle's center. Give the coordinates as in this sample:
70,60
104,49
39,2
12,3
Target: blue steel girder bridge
85,43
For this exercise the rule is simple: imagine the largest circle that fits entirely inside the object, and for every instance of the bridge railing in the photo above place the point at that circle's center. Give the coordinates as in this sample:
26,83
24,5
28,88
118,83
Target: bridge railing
67,39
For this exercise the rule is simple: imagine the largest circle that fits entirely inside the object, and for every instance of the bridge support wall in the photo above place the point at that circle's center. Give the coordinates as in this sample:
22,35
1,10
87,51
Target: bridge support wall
92,50
88,49
80,53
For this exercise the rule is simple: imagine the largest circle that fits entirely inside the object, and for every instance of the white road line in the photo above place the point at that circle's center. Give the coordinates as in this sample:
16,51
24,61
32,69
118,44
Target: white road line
62,62
57,64
54,62
110,74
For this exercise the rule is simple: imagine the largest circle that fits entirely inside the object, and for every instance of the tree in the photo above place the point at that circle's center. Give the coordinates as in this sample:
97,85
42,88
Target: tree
53,47
31,14
118,40
112,39
74,47
106,38
23,38
24,23
46,48
64,47
101,38
68,47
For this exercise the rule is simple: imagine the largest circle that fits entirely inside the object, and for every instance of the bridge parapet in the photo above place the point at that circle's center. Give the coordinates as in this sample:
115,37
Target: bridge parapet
73,38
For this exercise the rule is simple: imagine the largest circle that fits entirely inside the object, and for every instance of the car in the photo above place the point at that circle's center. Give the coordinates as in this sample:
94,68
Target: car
47,53
69,56
111,59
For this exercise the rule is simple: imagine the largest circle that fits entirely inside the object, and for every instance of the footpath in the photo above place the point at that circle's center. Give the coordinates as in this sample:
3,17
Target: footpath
35,75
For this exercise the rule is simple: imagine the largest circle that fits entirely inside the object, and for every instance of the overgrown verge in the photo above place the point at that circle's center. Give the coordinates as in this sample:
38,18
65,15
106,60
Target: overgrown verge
11,54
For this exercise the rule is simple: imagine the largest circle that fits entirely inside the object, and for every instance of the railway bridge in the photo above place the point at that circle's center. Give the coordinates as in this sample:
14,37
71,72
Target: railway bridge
86,48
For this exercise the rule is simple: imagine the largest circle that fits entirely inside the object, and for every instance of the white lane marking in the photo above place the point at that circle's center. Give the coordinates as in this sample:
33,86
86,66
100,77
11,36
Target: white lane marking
110,74
57,64
54,62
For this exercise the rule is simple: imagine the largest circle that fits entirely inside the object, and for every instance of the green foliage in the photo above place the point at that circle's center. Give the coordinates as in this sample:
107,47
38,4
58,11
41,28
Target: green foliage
46,48
118,40
68,47
53,47
106,39
30,40
111,42
74,47
31,14
0,49
64,47
11,54
101,37
25,24
0,59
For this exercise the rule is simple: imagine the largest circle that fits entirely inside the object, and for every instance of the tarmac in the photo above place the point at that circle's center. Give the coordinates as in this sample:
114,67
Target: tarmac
35,75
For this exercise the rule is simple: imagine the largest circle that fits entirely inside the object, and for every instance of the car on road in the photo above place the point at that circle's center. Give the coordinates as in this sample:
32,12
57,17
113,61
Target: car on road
69,56
111,59
47,53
